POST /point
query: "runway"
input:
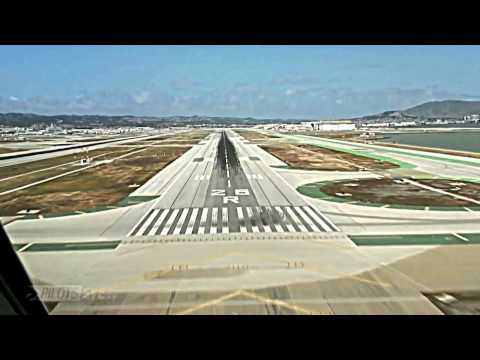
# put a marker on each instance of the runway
(48, 153)
(225, 187)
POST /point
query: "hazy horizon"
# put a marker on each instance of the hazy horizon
(289, 82)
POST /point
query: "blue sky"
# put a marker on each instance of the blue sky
(258, 81)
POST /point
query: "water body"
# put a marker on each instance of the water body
(463, 141)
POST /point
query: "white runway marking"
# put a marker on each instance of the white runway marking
(253, 221)
(296, 220)
(241, 220)
(319, 221)
(225, 220)
(286, 221)
(307, 219)
(203, 221)
(254, 176)
(169, 222)
(213, 225)
(460, 237)
(159, 222)
(262, 219)
(193, 217)
(148, 221)
(272, 211)
(266, 228)
(180, 222)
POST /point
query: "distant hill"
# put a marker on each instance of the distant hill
(446, 108)
(89, 121)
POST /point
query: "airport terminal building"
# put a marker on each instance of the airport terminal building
(329, 125)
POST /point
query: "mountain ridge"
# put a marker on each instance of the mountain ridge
(445, 108)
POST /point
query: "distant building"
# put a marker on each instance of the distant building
(377, 125)
(52, 128)
(404, 124)
(472, 117)
(329, 125)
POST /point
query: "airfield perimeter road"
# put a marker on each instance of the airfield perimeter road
(226, 234)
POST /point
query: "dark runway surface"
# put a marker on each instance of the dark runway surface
(230, 204)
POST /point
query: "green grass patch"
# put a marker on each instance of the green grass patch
(474, 238)
(78, 246)
(17, 247)
(447, 208)
(312, 190)
(420, 239)
(407, 207)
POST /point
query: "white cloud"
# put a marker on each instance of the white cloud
(309, 102)
(142, 97)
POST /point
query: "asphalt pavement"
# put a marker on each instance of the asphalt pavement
(225, 187)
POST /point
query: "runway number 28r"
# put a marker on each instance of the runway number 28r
(233, 199)
(238, 192)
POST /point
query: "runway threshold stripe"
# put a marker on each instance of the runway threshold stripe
(146, 221)
(170, 220)
(252, 220)
(186, 221)
(256, 219)
(140, 223)
(191, 222)
(297, 221)
(283, 216)
(213, 223)
(159, 222)
(225, 220)
(180, 222)
(325, 220)
(263, 218)
(319, 221)
(307, 219)
(203, 221)
(157, 212)
(241, 220)
(276, 219)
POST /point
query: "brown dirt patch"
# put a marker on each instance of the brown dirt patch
(331, 134)
(99, 186)
(386, 191)
(463, 188)
(310, 157)
(255, 136)
(13, 170)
